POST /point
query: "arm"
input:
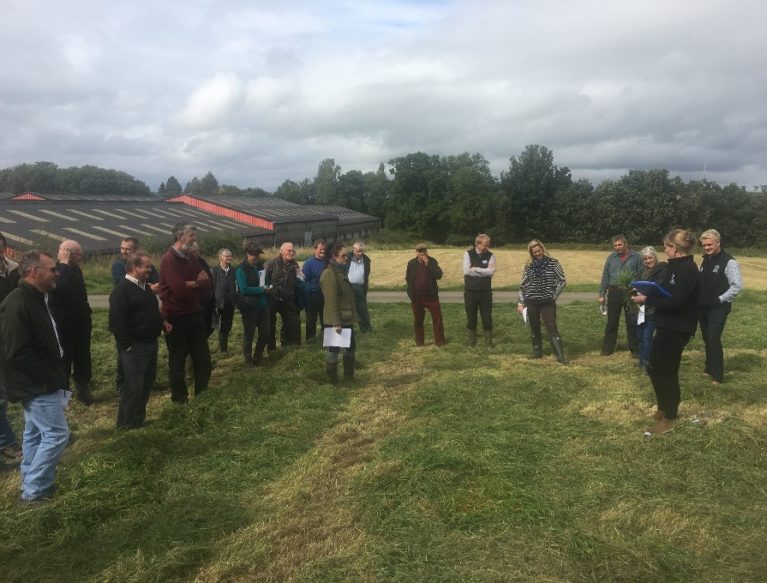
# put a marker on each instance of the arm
(523, 283)
(118, 271)
(735, 279)
(605, 280)
(680, 292)
(561, 281)
(478, 271)
(436, 270)
(118, 319)
(329, 292)
(21, 345)
(245, 289)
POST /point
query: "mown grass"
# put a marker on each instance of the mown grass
(442, 465)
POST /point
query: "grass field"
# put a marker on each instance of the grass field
(444, 464)
(583, 268)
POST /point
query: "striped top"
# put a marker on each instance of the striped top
(541, 280)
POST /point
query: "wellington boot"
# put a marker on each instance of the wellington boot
(349, 366)
(537, 347)
(472, 337)
(223, 343)
(332, 370)
(489, 338)
(248, 360)
(659, 415)
(556, 345)
(84, 394)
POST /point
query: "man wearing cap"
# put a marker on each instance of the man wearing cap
(183, 282)
(421, 277)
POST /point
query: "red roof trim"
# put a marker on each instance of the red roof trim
(28, 196)
(222, 211)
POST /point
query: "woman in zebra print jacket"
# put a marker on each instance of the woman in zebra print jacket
(542, 281)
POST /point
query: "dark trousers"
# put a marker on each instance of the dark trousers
(139, 365)
(315, 303)
(419, 305)
(225, 318)
(712, 322)
(332, 352)
(255, 319)
(665, 358)
(482, 300)
(616, 303)
(290, 333)
(361, 303)
(189, 337)
(77, 354)
(542, 310)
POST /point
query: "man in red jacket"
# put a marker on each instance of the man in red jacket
(182, 282)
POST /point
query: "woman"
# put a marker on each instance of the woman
(339, 311)
(653, 271)
(675, 321)
(542, 281)
(251, 302)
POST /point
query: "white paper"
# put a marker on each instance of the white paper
(524, 316)
(262, 278)
(640, 315)
(332, 339)
(64, 397)
(603, 309)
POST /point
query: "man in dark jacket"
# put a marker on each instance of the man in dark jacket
(135, 321)
(312, 269)
(9, 281)
(359, 277)
(478, 270)
(281, 275)
(720, 283)
(72, 312)
(421, 277)
(225, 291)
(35, 374)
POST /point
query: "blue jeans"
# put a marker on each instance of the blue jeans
(7, 436)
(46, 434)
(645, 333)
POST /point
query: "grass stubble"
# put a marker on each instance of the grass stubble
(443, 465)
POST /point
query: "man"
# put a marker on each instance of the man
(128, 247)
(225, 290)
(253, 306)
(135, 322)
(720, 283)
(281, 275)
(9, 281)
(72, 312)
(35, 373)
(359, 277)
(621, 267)
(421, 277)
(312, 269)
(478, 270)
(183, 282)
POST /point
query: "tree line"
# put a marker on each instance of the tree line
(449, 199)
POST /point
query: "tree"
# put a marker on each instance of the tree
(193, 186)
(471, 197)
(300, 193)
(208, 184)
(529, 191)
(172, 186)
(326, 182)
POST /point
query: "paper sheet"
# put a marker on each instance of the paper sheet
(331, 338)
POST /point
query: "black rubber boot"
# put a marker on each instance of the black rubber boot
(349, 365)
(223, 343)
(537, 347)
(84, 394)
(332, 370)
(556, 344)
(489, 338)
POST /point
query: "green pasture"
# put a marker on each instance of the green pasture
(441, 464)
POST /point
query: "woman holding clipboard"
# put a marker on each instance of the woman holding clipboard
(339, 314)
(675, 321)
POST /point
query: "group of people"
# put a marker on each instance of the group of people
(45, 320)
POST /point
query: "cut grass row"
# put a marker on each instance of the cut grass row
(444, 464)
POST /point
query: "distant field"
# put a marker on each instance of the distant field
(582, 268)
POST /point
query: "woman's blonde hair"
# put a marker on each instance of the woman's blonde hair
(536, 243)
(682, 239)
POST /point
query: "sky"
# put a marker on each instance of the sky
(260, 92)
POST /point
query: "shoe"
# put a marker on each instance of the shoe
(41, 499)
(661, 427)
(472, 338)
(659, 415)
(84, 394)
(12, 452)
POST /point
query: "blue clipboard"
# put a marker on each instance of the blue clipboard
(650, 289)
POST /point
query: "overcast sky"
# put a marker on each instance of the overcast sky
(258, 92)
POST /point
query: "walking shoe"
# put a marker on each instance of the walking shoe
(661, 427)
(659, 415)
(12, 452)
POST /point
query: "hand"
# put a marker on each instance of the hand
(63, 256)
(155, 287)
(338, 329)
(167, 327)
(639, 299)
(520, 308)
(424, 259)
(202, 276)
(601, 299)
(193, 284)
